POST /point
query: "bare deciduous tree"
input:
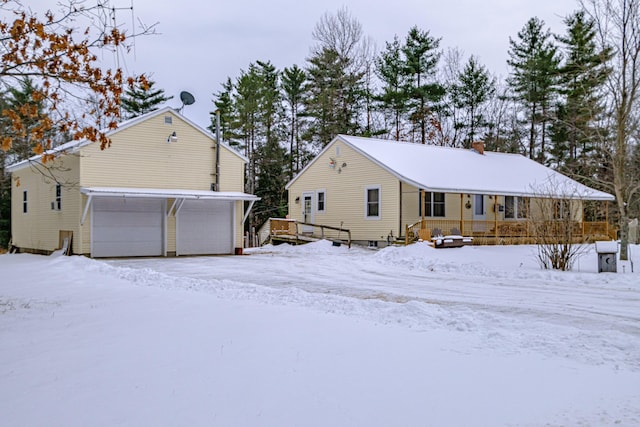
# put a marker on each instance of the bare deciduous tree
(618, 25)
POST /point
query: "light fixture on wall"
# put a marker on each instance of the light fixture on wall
(297, 200)
(173, 137)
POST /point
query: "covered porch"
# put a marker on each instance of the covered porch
(504, 219)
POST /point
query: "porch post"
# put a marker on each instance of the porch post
(606, 215)
(422, 208)
(495, 215)
(461, 214)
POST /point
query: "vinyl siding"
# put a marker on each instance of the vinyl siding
(139, 156)
(345, 193)
(39, 228)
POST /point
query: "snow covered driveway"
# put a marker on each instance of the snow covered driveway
(319, 335)
(470, 288)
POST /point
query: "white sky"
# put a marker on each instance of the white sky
(201, 43)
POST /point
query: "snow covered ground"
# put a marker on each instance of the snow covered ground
(320, 335)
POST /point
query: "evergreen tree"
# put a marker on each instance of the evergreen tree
(474, 87)
(534, 62)
(390, 68)
(34, 120)
(335, 78)
(421, 60)
(223, 101)
(333, 97)
(142, 98)
(32, 115)
(293, 81)
(582, 77)
(247, 105)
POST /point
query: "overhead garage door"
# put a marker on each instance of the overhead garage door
(205, 227)
(127, 227)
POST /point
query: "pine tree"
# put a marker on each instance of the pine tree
(333, 97)
(582, 77)
(474, 87)
(421, 60)
(293, 81)
(142, 98)
(223, 101)
(534, 62)
(393, 99)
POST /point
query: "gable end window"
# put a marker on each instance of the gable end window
(433, 204)
(321, 201)
(24, 202)
(372, 201)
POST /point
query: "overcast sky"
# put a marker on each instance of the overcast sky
(202, 42)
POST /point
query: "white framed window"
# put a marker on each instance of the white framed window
(58, 202)
(372, 198)
(168, 120)
(321, 201)
(25, 200)
(433, 204)
(516, 207)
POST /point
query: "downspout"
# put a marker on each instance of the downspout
(217, 187)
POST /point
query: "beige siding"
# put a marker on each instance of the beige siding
(140, 156)
(39, 228)
(345, 193)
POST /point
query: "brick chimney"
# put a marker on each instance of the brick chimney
(478, 146)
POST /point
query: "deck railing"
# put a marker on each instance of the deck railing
(292, 227)
(509, 232)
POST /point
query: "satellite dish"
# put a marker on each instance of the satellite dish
(186, 98)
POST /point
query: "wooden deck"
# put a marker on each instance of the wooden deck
(297, 232)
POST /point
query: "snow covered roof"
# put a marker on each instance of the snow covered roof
(74, 146)
(167, 193)
(455, 170)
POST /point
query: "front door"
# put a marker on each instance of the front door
(307, 212)
(479, 213)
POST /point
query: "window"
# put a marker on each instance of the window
(58, 202)
(516, 207)
(24, 201)
(372, 198)
(433, 204)
(168, 120)
(320, 206)
(561, 209)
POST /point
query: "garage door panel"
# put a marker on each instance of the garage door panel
(127, 227)
(205, 227)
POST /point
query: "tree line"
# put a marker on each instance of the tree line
(569, 101)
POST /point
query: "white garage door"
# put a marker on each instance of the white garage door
(127, 227)
(205, 227)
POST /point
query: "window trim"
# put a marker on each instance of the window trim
(58, 202)
(431, 203)
(324, 200)
(366, 202)
(518, 202)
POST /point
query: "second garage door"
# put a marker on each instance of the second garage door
(205, 227)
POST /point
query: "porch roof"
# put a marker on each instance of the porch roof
(168, 193)
(455, 170)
